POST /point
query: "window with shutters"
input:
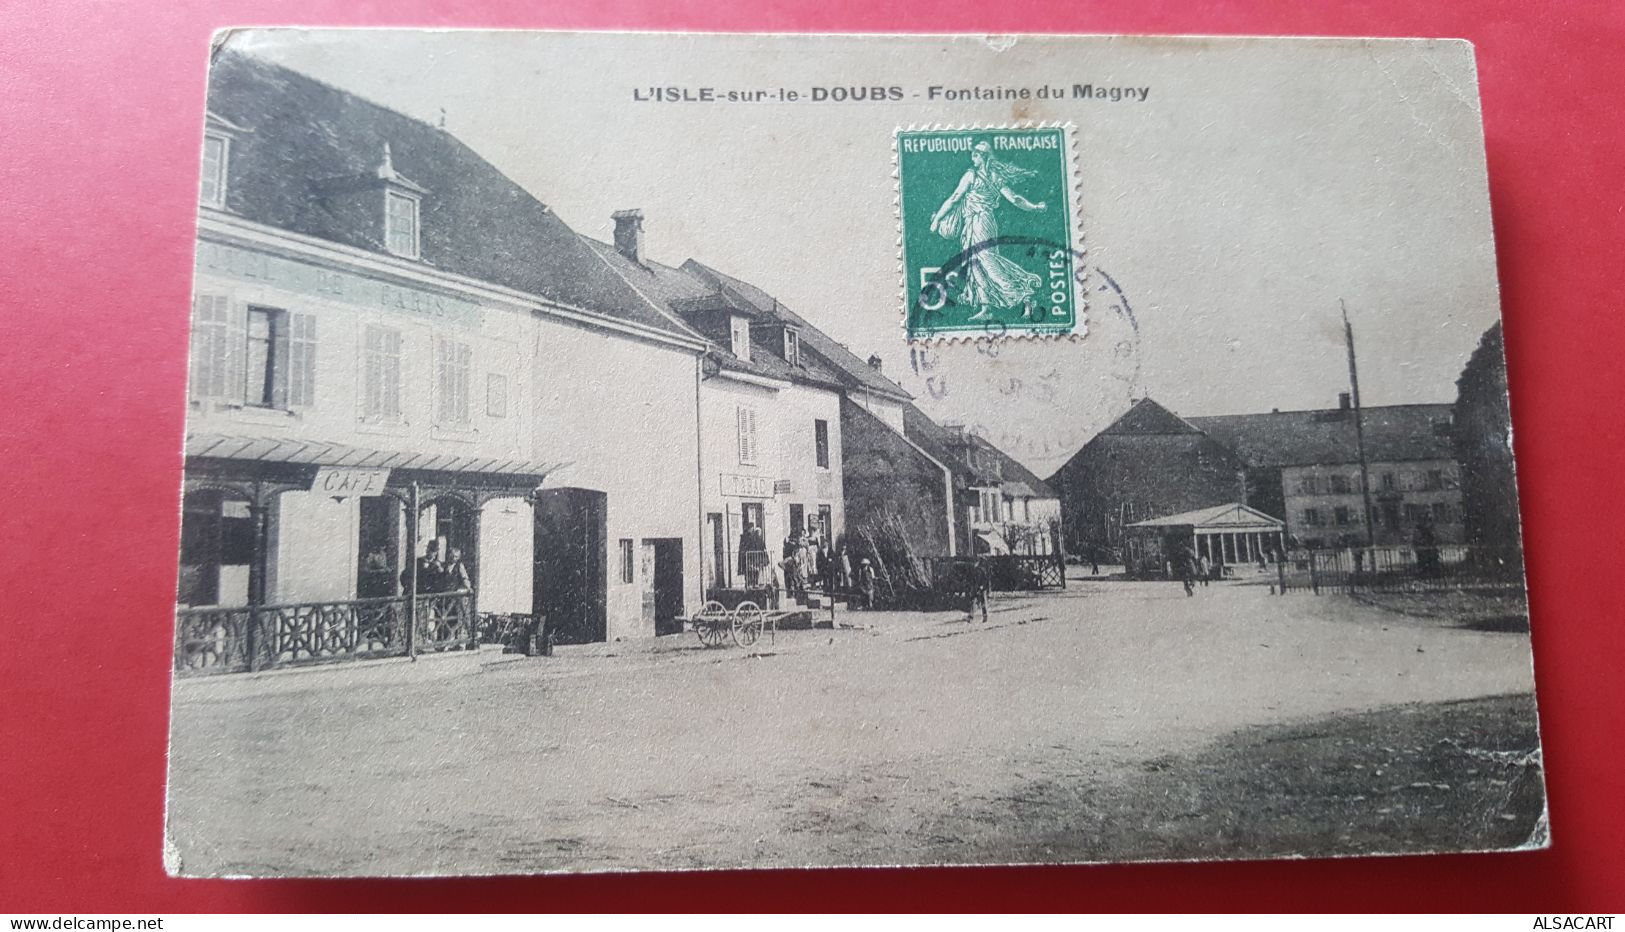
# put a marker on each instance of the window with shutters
(301, 354)
(381, 375)
(452, 361)
(261, 357)
(747, 436)
(216, 349)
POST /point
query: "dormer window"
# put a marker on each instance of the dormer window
(739, 337)
(792, 346)
(218, 134)
(401, 223)
(216, 156)
(402, 202)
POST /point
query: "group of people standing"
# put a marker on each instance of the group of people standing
(437, 573)
(810, 561)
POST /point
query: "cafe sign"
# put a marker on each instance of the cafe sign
(345, 481)
(738, 486)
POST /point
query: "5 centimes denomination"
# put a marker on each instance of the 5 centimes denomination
(989, 231)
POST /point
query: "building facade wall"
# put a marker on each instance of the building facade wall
(519, 374)
(731, 487)
(1325, 508)
(638, 445)
(811, 486)
(314, 538)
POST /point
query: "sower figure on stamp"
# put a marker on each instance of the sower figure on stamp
(969, 215)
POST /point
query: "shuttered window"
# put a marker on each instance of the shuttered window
(747, 436)
(381, 374)
(452, 361)
(259, 356)
(217, 346)
(301, 356)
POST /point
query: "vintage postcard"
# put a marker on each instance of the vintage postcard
(614, 452)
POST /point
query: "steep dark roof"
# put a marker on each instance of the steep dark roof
(680, 291)
(1014, 474)
(307, 163)
(1148, 417)
(995, 467)
(853, 372)
(1298, 438)
(940, 442)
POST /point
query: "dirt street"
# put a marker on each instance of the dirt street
(907, 740)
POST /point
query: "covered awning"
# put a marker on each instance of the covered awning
(287, 458)
(1231, 518)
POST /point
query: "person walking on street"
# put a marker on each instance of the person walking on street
(866, 582)
(1182, 565)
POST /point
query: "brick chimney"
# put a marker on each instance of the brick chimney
(874, 363)
(629, 233)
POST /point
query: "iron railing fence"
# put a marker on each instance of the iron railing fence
(241, 639)
(1437, 567)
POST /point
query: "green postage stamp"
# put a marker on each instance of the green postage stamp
(989, 236)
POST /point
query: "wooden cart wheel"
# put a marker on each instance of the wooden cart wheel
(748, 622)
(711, 624)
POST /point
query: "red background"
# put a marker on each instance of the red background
(100, 113)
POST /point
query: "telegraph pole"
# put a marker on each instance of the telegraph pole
(1359, 430)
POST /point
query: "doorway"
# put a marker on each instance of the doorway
(570, 563)
(717, 539)
(662, 578)
(378, 556)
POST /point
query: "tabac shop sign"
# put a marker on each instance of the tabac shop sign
(746, 486)
(345, 481)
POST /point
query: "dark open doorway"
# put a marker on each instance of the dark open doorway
(663, 584)
(570, 563)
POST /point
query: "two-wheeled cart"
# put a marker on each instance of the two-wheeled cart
(715, 623)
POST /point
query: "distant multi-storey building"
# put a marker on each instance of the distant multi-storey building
(1303, 467)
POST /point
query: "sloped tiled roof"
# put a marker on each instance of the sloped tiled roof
(939, 441)
(1393, 433)
(853, 371)
(1149, 417)
(679, 290)
(1015, 475)
(307, 162)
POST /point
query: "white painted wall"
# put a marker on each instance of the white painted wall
(622, 414)
(811, 486)
(720, 399)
